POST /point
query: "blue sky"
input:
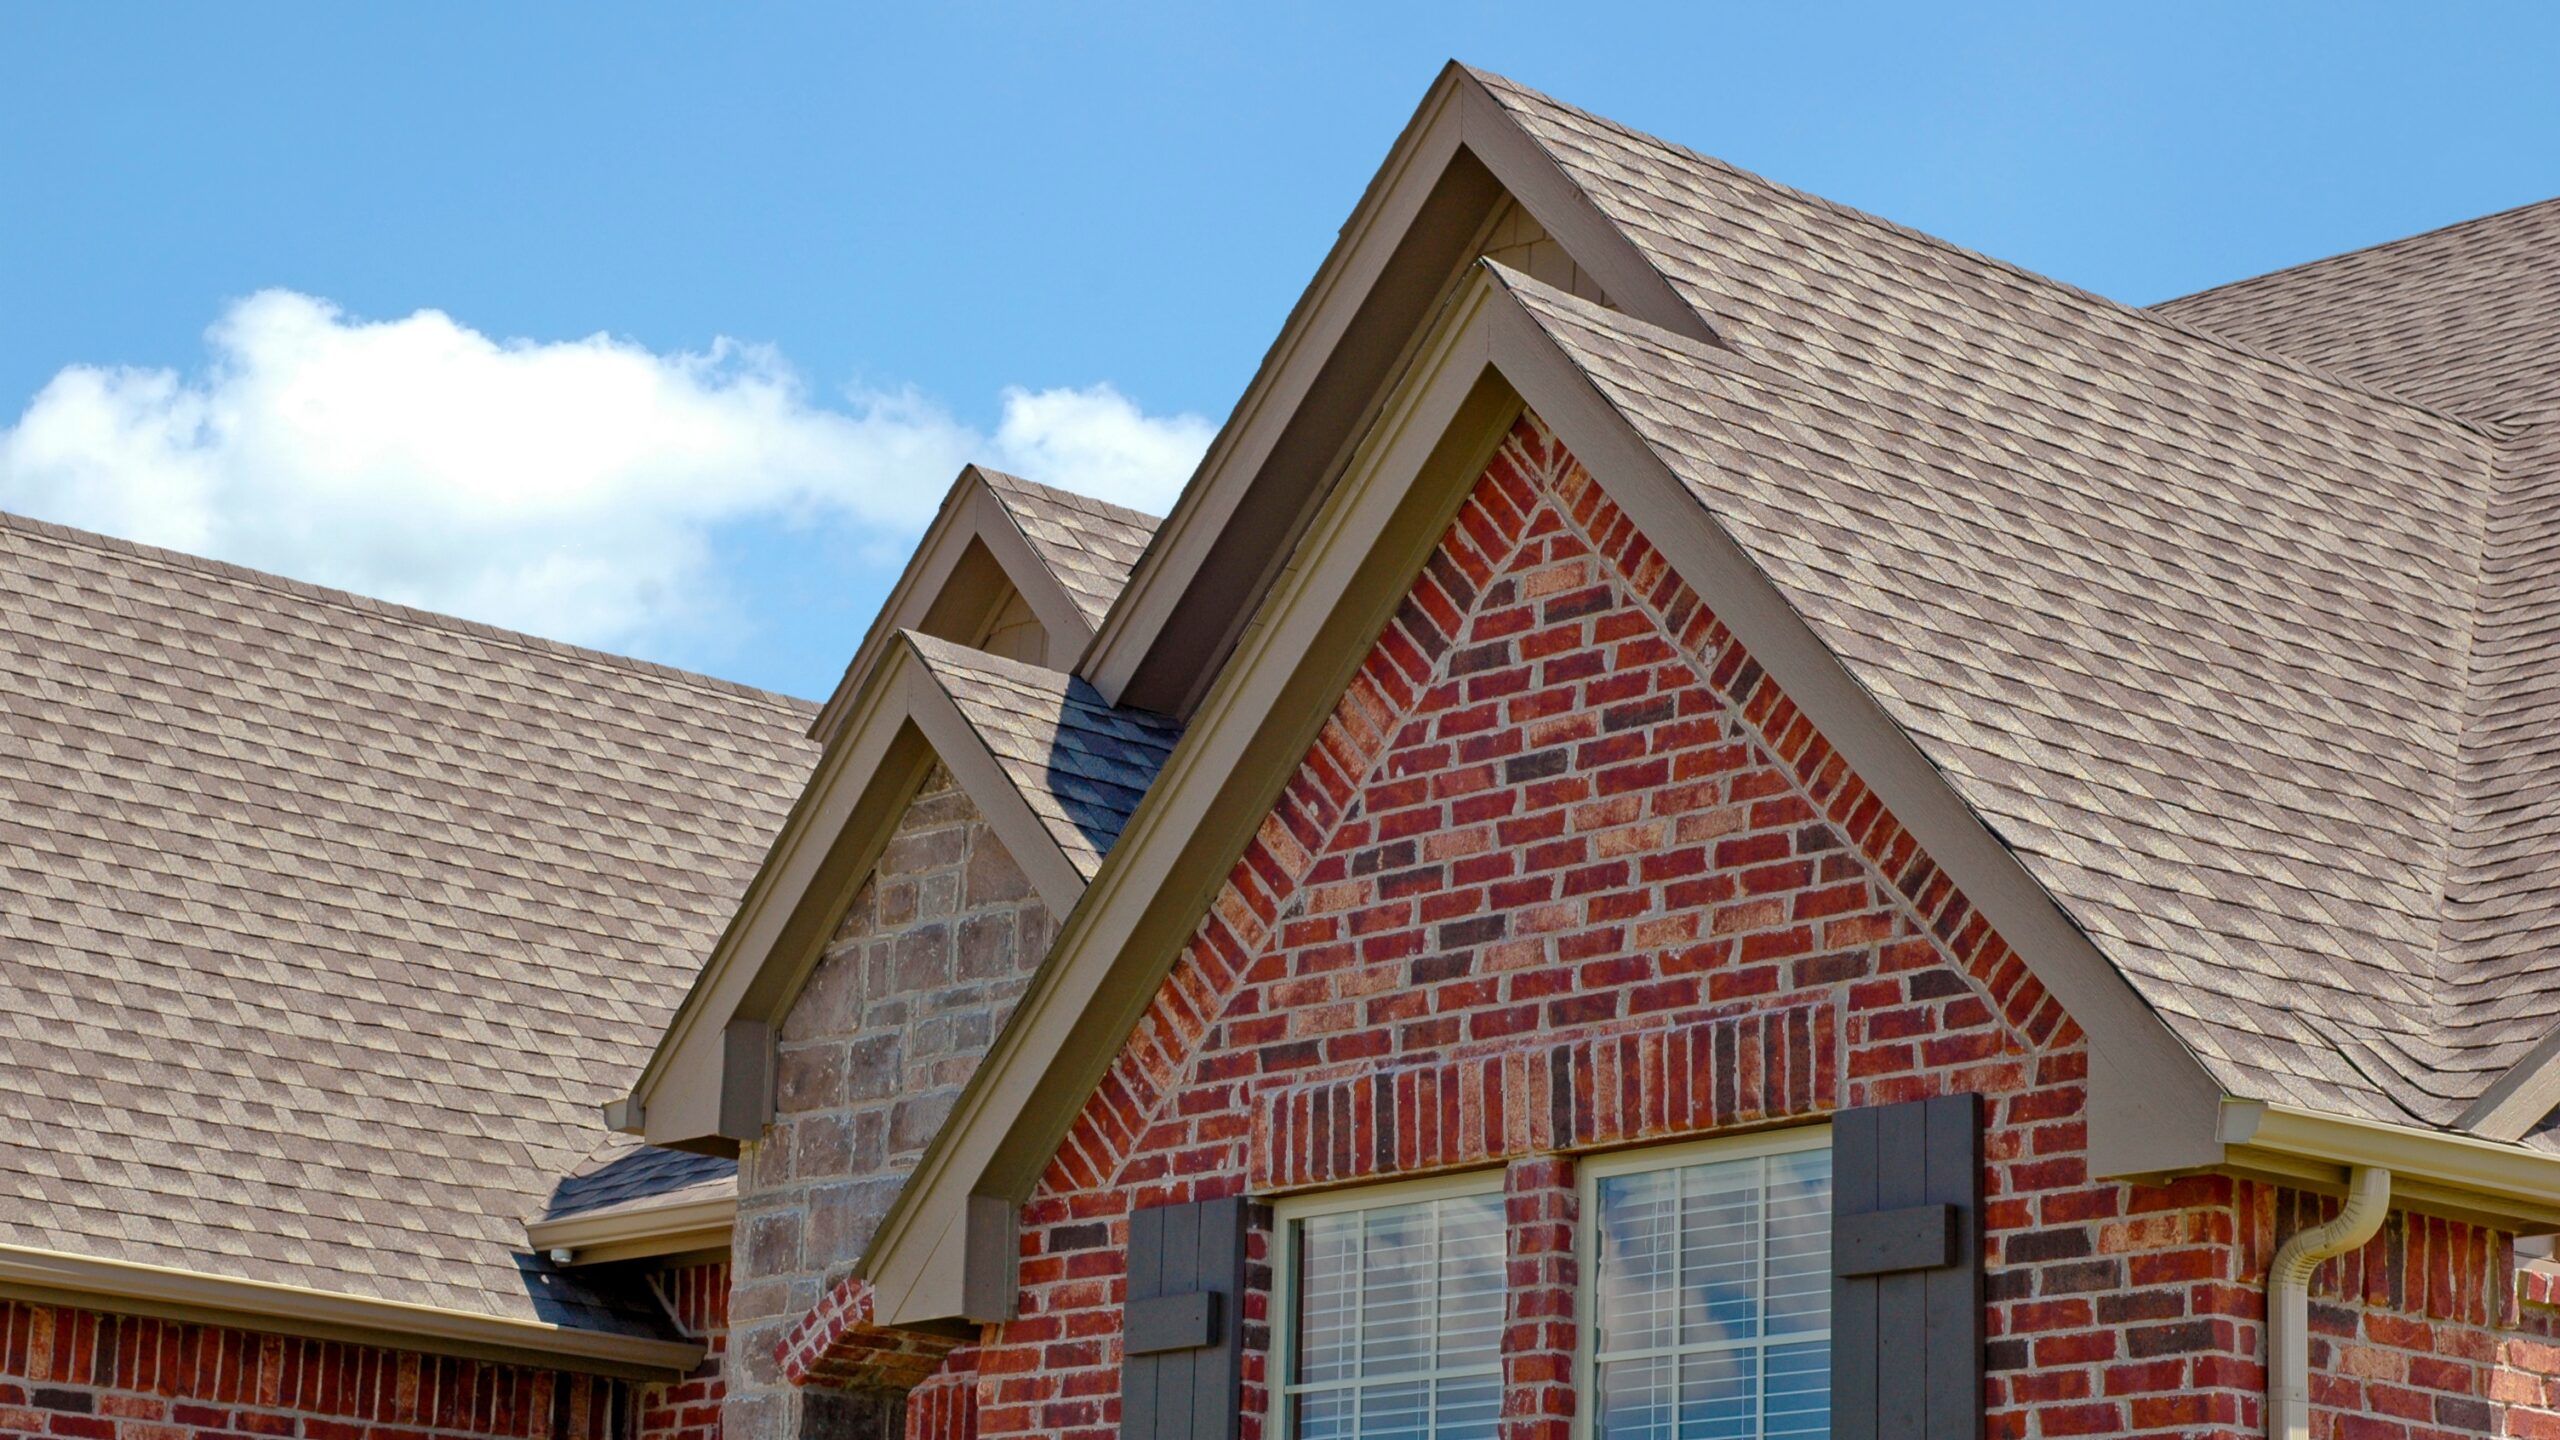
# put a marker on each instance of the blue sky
(716, 296)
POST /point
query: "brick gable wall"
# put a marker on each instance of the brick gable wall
(77, 1374)
(1566, 869)
(923, 969)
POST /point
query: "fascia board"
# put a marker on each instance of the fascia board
(57, 1277)
(1080, 1004)
(2506, 1183)
(2520, 1097)
(2154, 1106)
(970, 511)
(2152, 1103)
(680, 1092)
(936, 555)
(625, 1232)
(1008, 812)
(1000, 531)
(1457, 115)
(677, 1095)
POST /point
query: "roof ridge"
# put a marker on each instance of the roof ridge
(1060, 492)
(2378, 247)
(2283, 363)
(181, 560)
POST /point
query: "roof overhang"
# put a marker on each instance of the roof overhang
(684, 1223)
(2492, 1182)
(1325, 381)
(952, 584)
(2153, 1106)
(53, 1277)
(709, 1085)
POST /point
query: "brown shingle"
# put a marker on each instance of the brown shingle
(325, 925)
(1082, 764)
(1091, 545)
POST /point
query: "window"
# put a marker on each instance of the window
(1707, 1290)
(1392, 1303)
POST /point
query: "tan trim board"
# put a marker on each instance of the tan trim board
(962, 752)
(2490, 1180)
(708, 1086)
(2154, 1108)
(1343, 350)
(2520, 1097)
(56, 1277)
(639, 1230)
(2152, 1102)
(1214, 790)
(949, 589)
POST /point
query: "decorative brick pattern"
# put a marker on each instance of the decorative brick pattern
(77, 1374)
(1559, 810)
(839, 1346)
(929, 959)
(1570, 1094)
(945, 1407)
(1542, 1208)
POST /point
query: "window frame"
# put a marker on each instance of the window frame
(1785, 1140)
(1288, 1210)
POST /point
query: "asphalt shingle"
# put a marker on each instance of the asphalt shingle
(325, 925)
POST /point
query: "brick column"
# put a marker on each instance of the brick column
(1543, 1214)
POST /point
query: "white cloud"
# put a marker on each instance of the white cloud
(571, 488)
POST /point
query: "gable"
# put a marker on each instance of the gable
(1565, 869)
(1462, 181)
(926, 708)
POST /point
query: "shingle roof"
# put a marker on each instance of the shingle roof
(2467, 318)
(2460, 318)
(325, 925)
(624, 1173)
(1082, 764)
(2199, 629)
(1091, 545)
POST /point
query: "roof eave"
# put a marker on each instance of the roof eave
(671, 1225)
(59, 1277)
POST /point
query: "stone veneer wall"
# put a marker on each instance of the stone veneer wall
(923, 970)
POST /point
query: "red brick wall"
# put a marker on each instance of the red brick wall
(92, 1375)
(1566, 870)
(697, 1298)
(88, 1375)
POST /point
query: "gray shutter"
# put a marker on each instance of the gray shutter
(1182, 1332)
(1906, 1271)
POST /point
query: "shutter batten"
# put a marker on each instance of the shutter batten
(1906, 1286)
(1181, 1330)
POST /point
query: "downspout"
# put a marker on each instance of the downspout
(2289, 1297)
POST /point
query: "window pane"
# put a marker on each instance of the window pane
(1328, 1298)
(1471, 1282)
(1799, 1242)
(1720, 1395)
(1399, 1322)
(1637, 1298)
(1713, 1300)
(1799, 1390)
(1720, 1251)
(1636, 1399)
(1396, 1280)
